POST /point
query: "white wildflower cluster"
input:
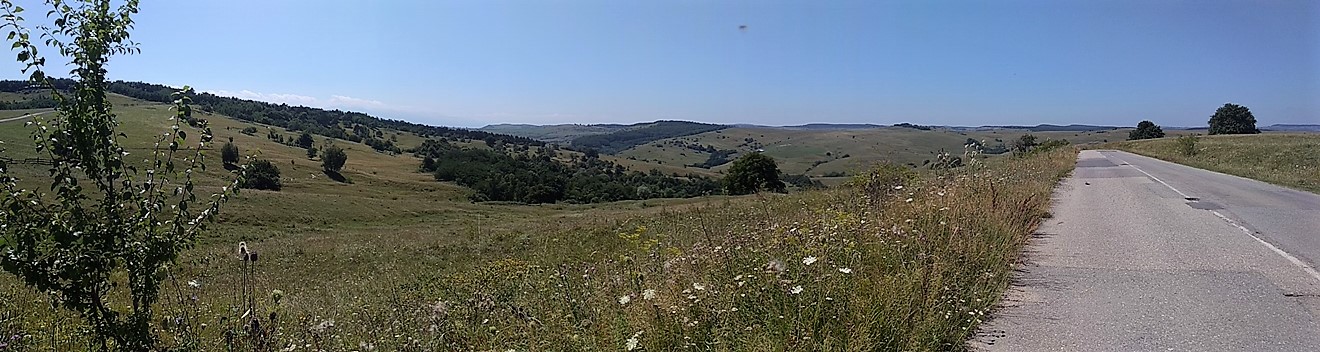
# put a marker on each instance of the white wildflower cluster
(633, 342)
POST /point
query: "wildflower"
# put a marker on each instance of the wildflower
(625, 299)
(194, 284)
(845, 270)
(796, 289)
(698, 286)
(633, 341)
(808, 260)
(909, 200)
(648, 294)
(898, 187)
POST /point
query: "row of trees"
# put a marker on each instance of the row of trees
(537, 177)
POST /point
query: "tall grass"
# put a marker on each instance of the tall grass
(907, 264)
(1291, 160)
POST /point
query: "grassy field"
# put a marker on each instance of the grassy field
(396, 261)
(1287, 159)
(820, 152)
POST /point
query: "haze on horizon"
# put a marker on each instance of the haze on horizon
(472, 63)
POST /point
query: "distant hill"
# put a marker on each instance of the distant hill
(832, 126)
(639, 134)
(563, 133)
(1292, 127)
(1054, 128)
(353, 126)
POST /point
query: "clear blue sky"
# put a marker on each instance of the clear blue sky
(470, 63)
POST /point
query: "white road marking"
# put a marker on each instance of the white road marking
(1298, 262)
(1157, 179)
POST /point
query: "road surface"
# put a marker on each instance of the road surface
(1146, 255)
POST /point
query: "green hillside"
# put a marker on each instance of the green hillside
(639, 134)
(563, 134)
(818, 152)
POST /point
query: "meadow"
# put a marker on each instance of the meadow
(1286, 159)
(397, 261)
(822, 153)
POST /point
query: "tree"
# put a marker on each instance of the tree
(333, 158)
(1233, 119)
(1146, 130)
(229, 152)
(99, 243)
(753, 173)
(305, 140)
(262, 174)
(1024, 143)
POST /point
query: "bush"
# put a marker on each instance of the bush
(229, 153)
(1024, 143)
(1187, 145)
(251, 131)
(261, 174)
(333, 159)
(883, 180)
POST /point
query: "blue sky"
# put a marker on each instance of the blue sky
(470, 63)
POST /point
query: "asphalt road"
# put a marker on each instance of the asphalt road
(1146, 255)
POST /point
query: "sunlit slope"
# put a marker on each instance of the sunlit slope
(830, 152)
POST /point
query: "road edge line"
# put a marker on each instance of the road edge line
(1298, 262)
(1292, 259)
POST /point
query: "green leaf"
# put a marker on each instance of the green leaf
(23, 55)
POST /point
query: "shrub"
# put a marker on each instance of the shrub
(251, 131)
(1187, 145)
(883, 180)
(99, 244)
(262, 174)
(1024, 143)
(229, 152)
